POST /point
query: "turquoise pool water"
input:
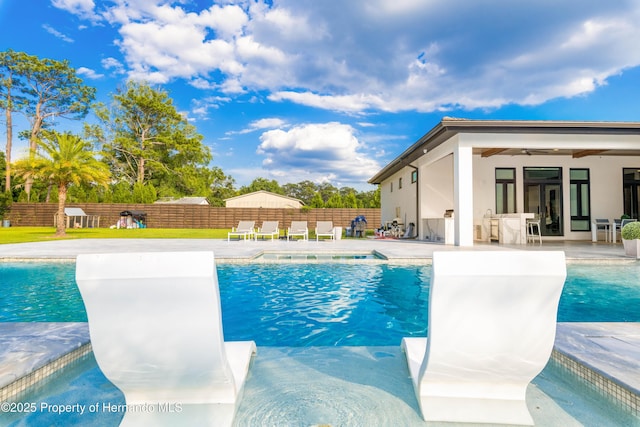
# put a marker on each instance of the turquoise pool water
(319, 304)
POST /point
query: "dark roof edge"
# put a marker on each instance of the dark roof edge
(449, 126)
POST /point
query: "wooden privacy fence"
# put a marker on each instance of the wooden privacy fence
(191, 216)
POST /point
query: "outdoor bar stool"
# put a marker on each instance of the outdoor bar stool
(533, 230)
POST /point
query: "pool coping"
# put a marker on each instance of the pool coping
(32, 351)
(604, 355)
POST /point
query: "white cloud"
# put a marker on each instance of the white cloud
(201, 107)
(89, 73)
(326, 152)
(82, 8)
(49, 29)
(375, 55)
(113, 65)
(261, 124)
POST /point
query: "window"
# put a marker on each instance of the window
(414, 177)
(391, 185)
(399, 183)
(580, 205)
(631, 191)
(505, 190)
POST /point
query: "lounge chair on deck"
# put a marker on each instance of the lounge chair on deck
(268, 229)
(325, 229)
(491, 329)
(156, 330)
(245, 229)
(298, 228)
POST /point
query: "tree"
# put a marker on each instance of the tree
(326, 191)
(350, 201)
(221, 187)
(145, 139)
(263, 184)
(11, 64)
(64, 160)
(304, 190)
(335, 201)
(51, 89)
(316, 201)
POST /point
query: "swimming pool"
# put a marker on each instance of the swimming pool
(318, 304)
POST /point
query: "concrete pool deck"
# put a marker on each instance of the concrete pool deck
(394, 250)
(603, 357)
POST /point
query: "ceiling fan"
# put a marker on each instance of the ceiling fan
(529, 151)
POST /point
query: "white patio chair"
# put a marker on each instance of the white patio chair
(156, 330)
(268, 229)
(325, 229)
(600, 224)
(245, 229)
(298, 228)
(491, 329)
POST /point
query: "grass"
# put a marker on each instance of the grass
(44, 234)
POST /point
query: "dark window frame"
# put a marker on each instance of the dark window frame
(504, 183)
(579, 202)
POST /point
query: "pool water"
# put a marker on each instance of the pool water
(319, 304)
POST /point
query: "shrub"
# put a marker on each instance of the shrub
(631, 231)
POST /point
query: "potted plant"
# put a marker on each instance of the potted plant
(5, 204)
(631, 239)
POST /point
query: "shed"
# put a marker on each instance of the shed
(77, 218)
(263, 199)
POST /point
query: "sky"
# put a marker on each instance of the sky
(332, 90)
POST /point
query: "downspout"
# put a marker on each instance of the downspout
(417, 199)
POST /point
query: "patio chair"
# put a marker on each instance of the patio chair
(245, 229)
(298, 228)
(600, 224)
(156, 330)
(491, 329)
(618, 226)
(268, 229)
(325, 229)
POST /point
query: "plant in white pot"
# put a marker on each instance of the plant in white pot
(631, 239)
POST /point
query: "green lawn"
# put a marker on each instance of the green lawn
(42, 234)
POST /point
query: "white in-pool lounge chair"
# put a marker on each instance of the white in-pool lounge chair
(268, 229)
(325, 229)
(156, 331)
(491, 329)
(298, 228)
(245, 229)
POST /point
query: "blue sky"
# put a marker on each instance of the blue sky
(332, 90)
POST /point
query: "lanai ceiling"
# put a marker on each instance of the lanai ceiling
(576, 154)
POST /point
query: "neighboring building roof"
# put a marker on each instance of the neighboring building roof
(449, 127)
(267, 193)
(186, 201)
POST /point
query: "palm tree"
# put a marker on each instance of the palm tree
(62, 160)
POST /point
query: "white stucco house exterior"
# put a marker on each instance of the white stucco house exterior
(494, 175)
(263, 199)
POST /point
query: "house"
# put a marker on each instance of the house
(185, 201)
(481, 180)
(263, 199)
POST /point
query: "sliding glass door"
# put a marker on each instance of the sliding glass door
(543, 197)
